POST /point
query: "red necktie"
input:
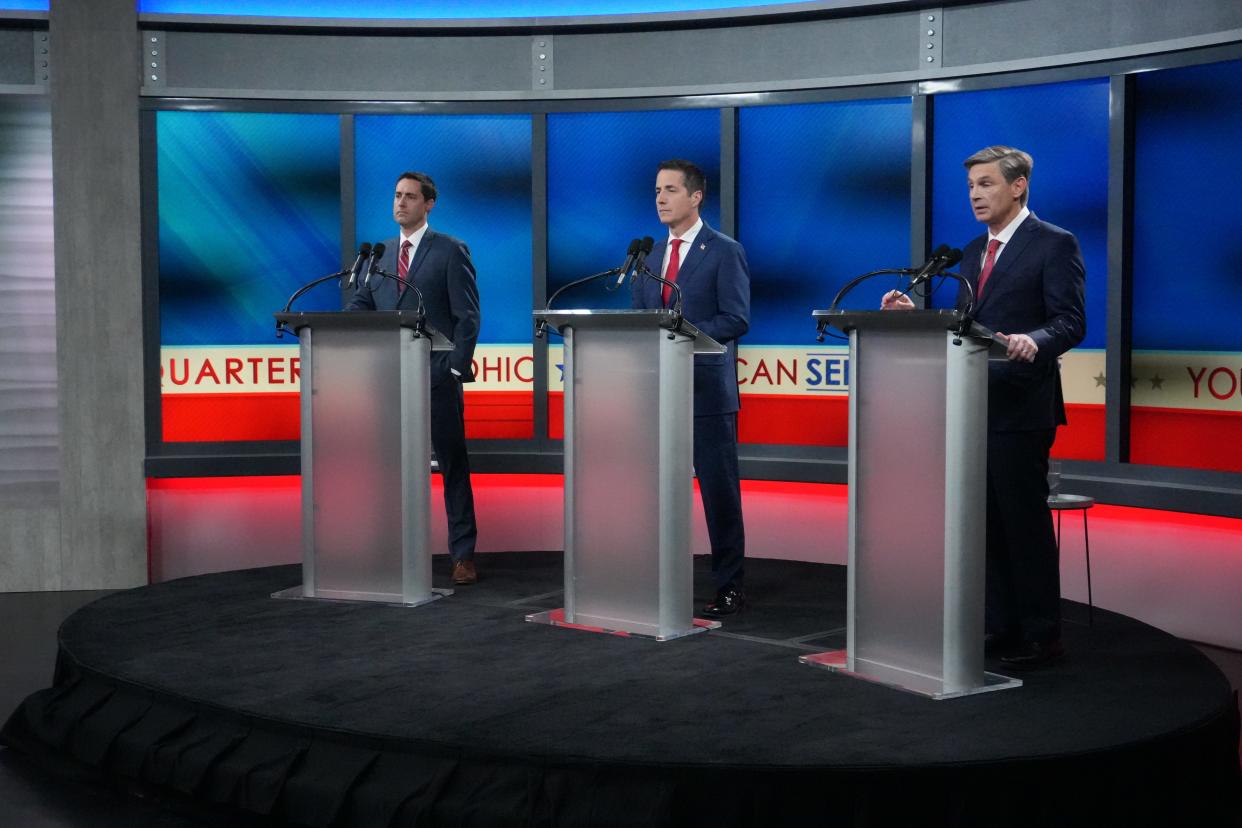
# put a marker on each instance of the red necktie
(988, 263)
(674, 264)
(403, 268)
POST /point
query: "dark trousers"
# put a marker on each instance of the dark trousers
(715, 464)
(1023, 568)
(448, 437)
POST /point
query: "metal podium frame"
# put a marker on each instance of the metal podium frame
(366, 445)
(629, 384)
(917, 496)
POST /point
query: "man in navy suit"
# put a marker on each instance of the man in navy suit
(711, 270)
(439, 266)
(1028, 277)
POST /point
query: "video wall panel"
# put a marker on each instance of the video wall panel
(249, 210)
(1186, 394)
(824, 196)
(601, 194)
(1064, 127)
(482, 168)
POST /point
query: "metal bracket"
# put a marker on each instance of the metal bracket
(42, 58)
(931, 40)
(152, 59)
(541, 63)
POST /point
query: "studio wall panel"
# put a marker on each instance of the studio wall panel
(998, 32)
(17, 56)
(824, 196)
(403, 66)
(249, 210)
(29, 432)
(1186, 402)
(482, 168)
(1064, 126)
(601, 194)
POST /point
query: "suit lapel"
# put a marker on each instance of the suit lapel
(1010, 253)
(691, 258)
(420, 254)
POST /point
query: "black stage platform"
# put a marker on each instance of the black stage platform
(460, 713)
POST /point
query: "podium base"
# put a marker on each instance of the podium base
(615, 626)
(901, 679)
(389, 599)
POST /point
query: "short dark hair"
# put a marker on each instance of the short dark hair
(424, 181)
(696, 182)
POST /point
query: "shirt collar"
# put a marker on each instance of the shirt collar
(1012, 227)
(414, 238)
(690, 235)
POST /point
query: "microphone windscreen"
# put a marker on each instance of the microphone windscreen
(954, 256)
(365, 249)
(647, 244)
(378, 250)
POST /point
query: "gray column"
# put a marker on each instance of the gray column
(95, 187)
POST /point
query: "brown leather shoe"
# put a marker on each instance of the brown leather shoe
(464, 573)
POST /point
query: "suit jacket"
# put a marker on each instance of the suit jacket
(442, 270)
(715, 283)
(1036, 288)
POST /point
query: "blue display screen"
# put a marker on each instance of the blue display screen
(1064, 127)
(249, 210)
(823, 196)
(1186, 211)
(434, 10)
(482, 168)
(601, 189)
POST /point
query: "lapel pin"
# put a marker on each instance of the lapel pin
(702, 245)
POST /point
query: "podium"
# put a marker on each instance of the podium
(917, 501)
(366, 469)
(629, 384)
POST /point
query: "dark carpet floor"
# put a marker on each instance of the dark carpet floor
(467, 678)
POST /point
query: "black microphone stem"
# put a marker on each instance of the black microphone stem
(280, 327)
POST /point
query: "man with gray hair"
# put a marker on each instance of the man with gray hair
(1028, 279)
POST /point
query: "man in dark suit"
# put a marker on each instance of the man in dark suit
(711, 270)
(439, 266)
(1029, 278)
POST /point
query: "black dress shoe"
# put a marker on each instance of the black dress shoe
(730, 600)
(1034, 654)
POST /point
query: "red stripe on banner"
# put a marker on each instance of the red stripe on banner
(1187, 438)
(556, 415)
(212, 418)
(781, 419)
(500, 415)
(1083, 437)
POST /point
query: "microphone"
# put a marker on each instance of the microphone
(631, 255)
(636, 257)
(376, 253)
(356, 267)
(942, 258)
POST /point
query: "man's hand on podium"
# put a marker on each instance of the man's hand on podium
(1018, 347)
(896, 300)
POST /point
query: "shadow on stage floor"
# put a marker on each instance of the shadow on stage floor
(459, 712)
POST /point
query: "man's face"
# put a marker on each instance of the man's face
(678, 208)
(409, 208)
(994, 200)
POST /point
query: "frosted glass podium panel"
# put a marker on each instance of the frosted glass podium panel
(917, 498)
(366, 445)
(629, 407)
